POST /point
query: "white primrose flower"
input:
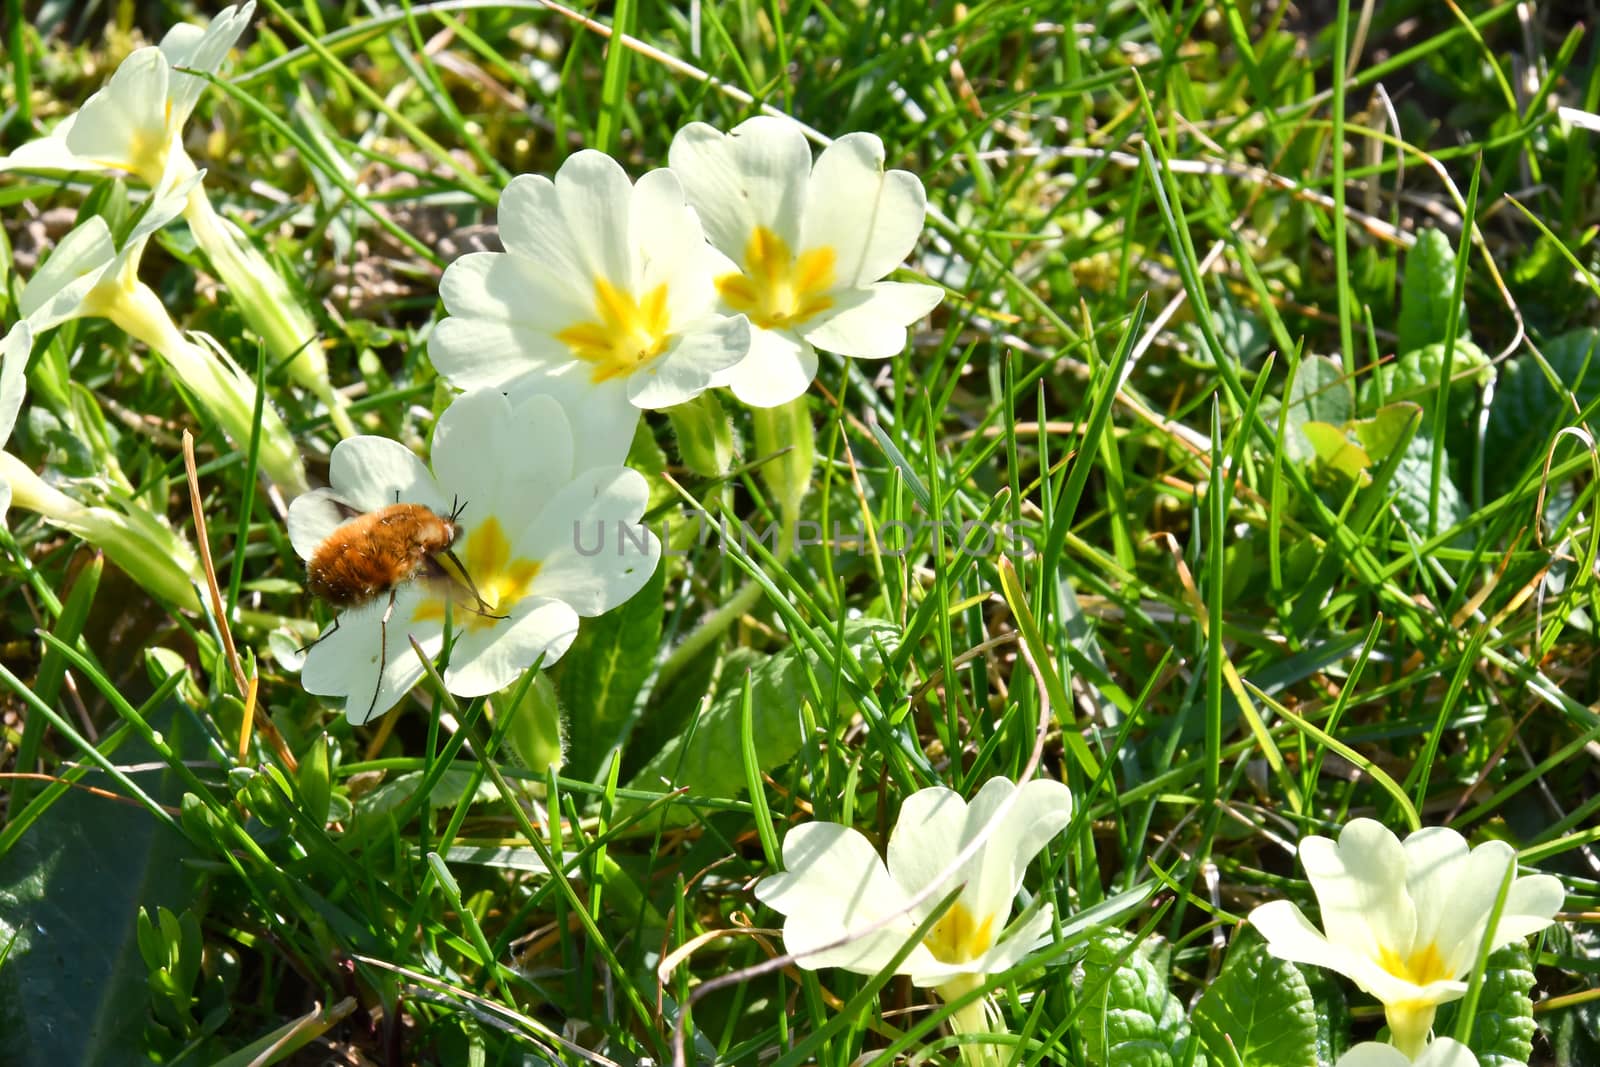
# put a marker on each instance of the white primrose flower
(145, 547)
(88, 276)
(1405, 921)
(1444, 1052)
(834, 887)
(811, 244)
(602, 283)
(134, 126)
(543, 538)
(15, 350)
(135, 123)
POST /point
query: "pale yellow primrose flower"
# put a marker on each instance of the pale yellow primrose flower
(811, 244)
(145, 547)
(134, 125)
(1405, 921)
(1445, 1052)
(88, 276)
(834, 887)
(549, 532)
(605, 286)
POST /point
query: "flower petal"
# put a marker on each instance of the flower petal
(593, 551)
(345, 660)
(532, 227)
(1445, 1052)
(1453, 891)
(1360, 883)
(15, 351)
(834, 883)
(602, 418)
(869, 218)
(1290, 936)
(312, 517)
(1373, 1054)
(501, 287)
(756, 175)
(1531, 906)
(1021, 820)
(47, 153)
(481, 451)
(779, 368)
(594, 193)
(186, 45)
(1019, 943)
(487, 658)
(688, 368)
(927, 838)
(871, 323)
(672, 248)
(374, 472)
(57, 290)
(121, 125)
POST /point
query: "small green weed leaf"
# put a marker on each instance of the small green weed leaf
(708, 762)
(1430, 280)
(1321, 392)
(1261, 1008)
(1502, 1030)
(1410, 485)
(1415, 377)
(1332, 1015)
(1132, 1019)
(1336, 453)
(600, 676)
(1527, 410)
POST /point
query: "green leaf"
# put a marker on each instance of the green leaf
(1410, 485)
(1415, 377)
(1425, 294)
(1261, 1008)
(1336, 453)
(600, 676)
(1332, 1015)
(1132, 1019)
(1350, 450)
(1527, 410)
(75, 987)
(1502, 1030)
(705, 756)
(1320, 392)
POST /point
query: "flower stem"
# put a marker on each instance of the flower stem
(273, 311)
(978, 1017)
(227, 395)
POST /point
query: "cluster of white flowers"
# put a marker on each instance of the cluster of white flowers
(731, 267)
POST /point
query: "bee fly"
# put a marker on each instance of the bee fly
(376, 552)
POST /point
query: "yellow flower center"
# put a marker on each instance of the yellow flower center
(778, 288)
(1418, 968)
(500, 580)
(628, 333)
(958, 936)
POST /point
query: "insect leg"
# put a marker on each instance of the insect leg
(383, 654)
(303, 649)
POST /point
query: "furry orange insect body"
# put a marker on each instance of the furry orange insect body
(376, 551)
